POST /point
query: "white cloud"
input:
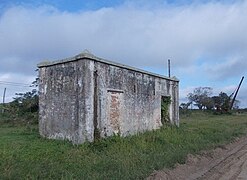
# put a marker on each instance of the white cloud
(139, 36)
(127, 33)
(232, 67)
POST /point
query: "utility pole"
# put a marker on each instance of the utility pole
(4, 93)
(235, 95)
(169, 68)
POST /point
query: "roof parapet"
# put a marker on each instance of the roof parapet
(88, 55)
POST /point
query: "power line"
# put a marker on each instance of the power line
(14, 84)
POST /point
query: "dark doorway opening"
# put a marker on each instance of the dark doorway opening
(165, 104)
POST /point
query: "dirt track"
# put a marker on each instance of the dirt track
(227, 162)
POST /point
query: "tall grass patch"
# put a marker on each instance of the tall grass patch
(25, 155)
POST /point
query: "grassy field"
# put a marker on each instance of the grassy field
(25, 155)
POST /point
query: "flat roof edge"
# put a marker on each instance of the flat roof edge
(95, 58)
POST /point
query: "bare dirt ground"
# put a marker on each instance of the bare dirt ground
(228, 162)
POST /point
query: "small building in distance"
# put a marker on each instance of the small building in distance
(84, 98)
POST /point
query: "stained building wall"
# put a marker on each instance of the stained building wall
(85, 99)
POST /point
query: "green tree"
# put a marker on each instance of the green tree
(208, 102)
(185, 106)
(200, 97)
(27, 102)
(222, 102)
(24, 107)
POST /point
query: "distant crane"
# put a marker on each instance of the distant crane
(236, 93)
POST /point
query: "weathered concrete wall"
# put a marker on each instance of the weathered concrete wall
(133, 97)
(59, 101)
(87, 99)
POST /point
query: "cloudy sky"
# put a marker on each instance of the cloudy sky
(205, 40)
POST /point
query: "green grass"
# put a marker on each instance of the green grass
(25, 155)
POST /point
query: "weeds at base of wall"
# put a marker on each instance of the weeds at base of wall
(96, 134)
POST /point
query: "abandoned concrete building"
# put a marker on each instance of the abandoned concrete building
(85, 97)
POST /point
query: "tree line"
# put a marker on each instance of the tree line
(202, 98)
(24, 107)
